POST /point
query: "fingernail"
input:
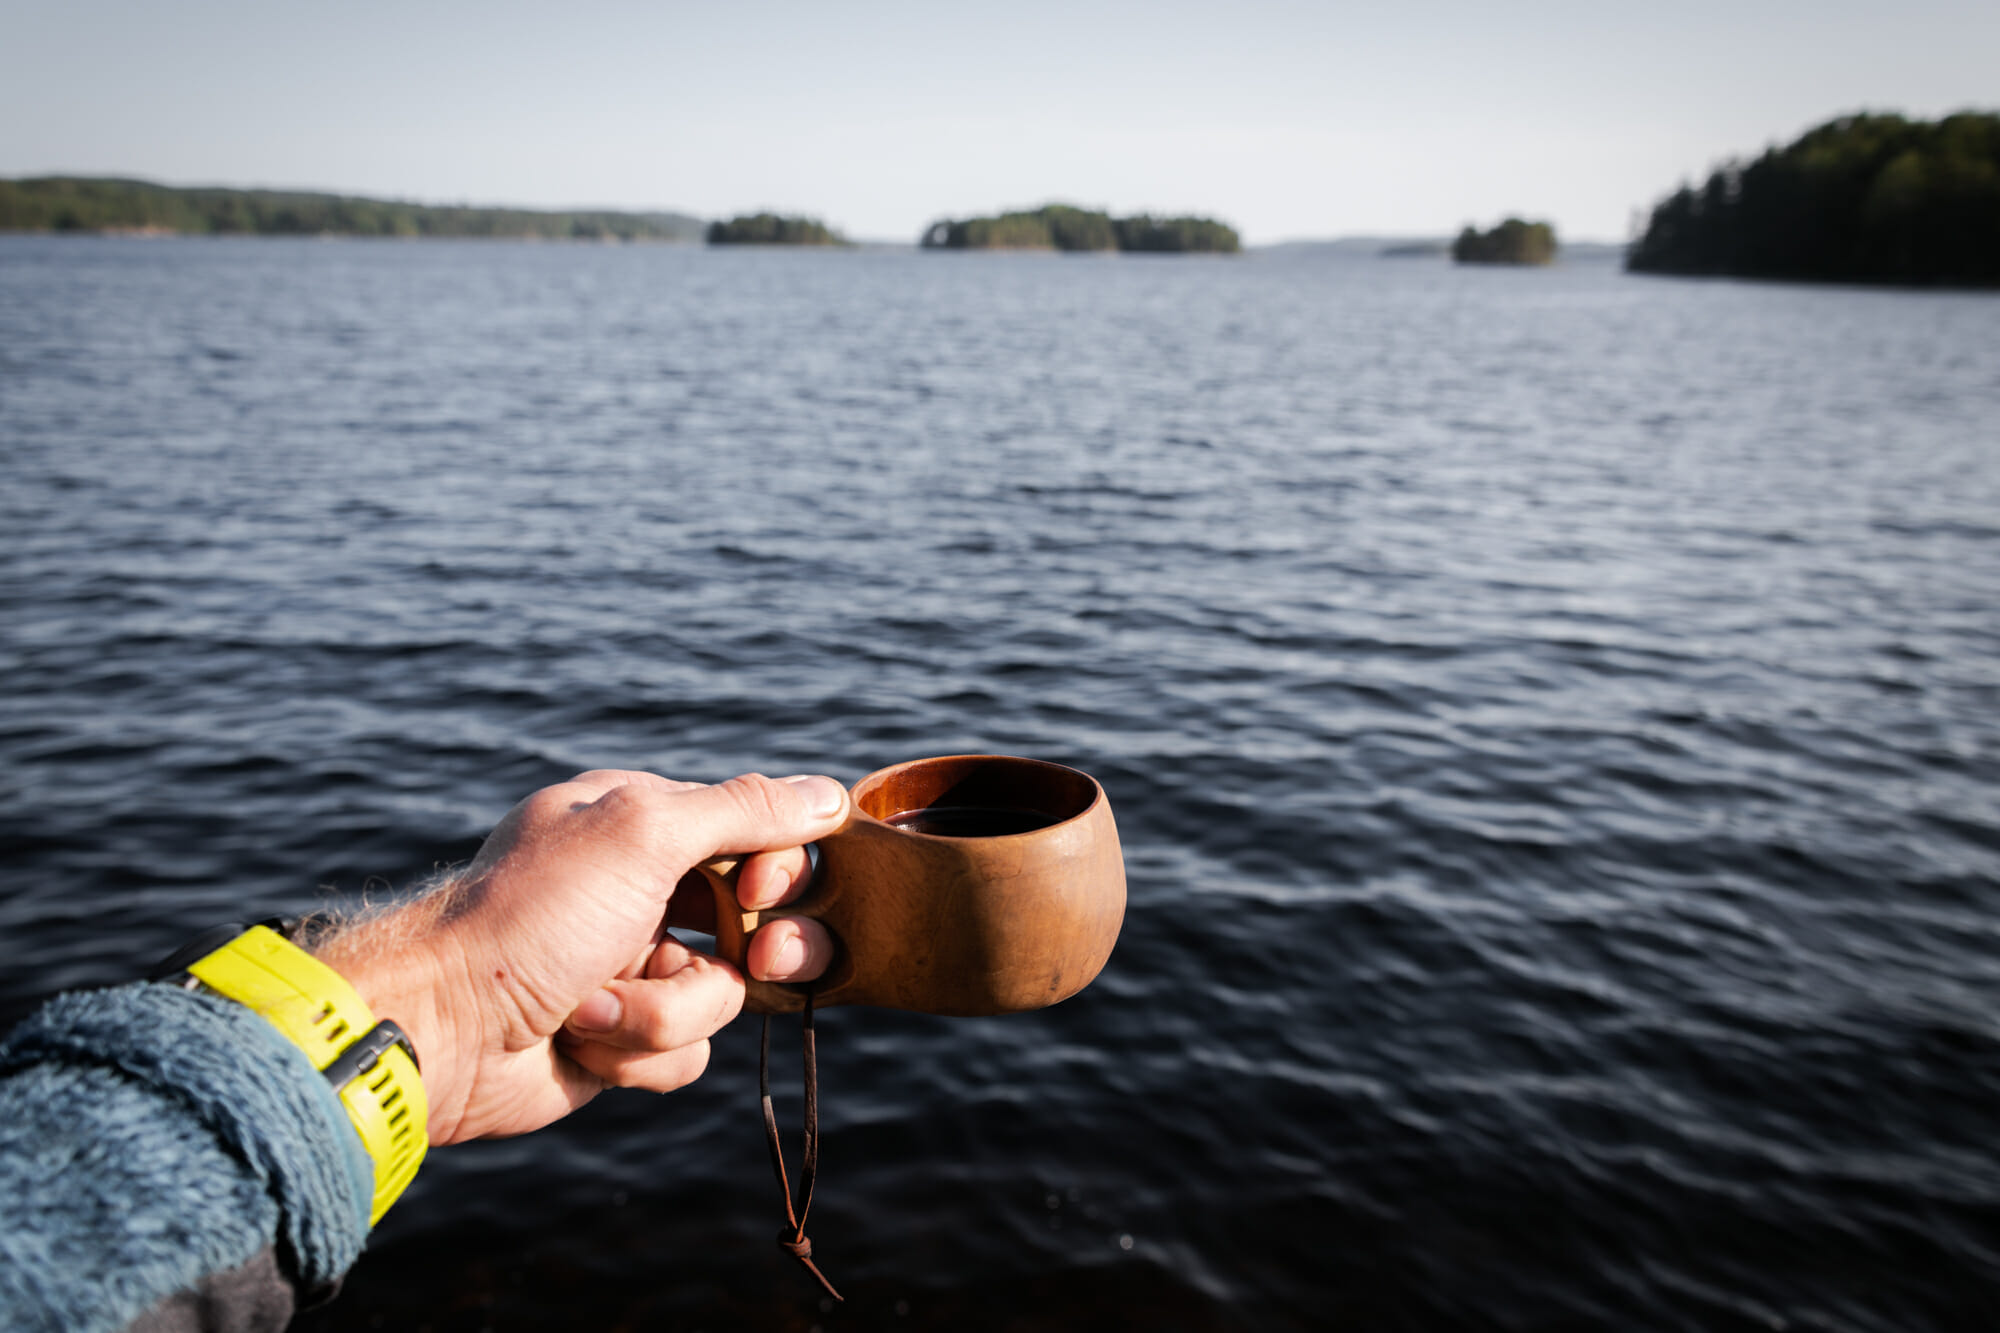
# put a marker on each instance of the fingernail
(599, 1013)
(791, 957)
(823, 796)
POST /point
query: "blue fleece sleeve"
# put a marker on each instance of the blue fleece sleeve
(151, 1138)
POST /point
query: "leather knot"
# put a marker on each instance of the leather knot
(792, 1240)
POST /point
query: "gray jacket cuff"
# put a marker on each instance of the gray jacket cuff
(258, 1094)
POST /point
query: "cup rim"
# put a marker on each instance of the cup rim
(1075, 777)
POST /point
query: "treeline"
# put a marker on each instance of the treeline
(70, 203)
(771, 229)
(1062, 227)
(1863, 198)
(1512, 242)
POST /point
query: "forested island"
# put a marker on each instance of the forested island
(772, 229)
(1062, 227)
(1512, 242)
(74, 203)
(1862, 198)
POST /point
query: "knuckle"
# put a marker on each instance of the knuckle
(763, 800)
(679, 1012)
(666, 1020)
(656, 1028)
(549, 804)
(633, 812)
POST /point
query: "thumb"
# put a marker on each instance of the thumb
(754, 813)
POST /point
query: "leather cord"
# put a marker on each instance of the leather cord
(793, 1238)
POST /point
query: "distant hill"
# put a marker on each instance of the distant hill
(1862, 198)
(1062, 227)
(77, 203)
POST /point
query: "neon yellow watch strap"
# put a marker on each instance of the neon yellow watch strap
(317, 1011)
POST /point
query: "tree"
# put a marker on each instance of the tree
(1512, 242)
(1065, 227)
(772, 229)
(1861, 198)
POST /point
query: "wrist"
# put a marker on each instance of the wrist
(405, 972)
(368, 1061)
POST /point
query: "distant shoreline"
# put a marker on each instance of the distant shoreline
(169, 234)
(143, 210)
(106, 206)
(1342, 248)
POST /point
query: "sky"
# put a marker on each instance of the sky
(1288, 120)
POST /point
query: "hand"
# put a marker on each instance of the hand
(544, 973)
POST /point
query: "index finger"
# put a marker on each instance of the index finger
(598, 781)
(746, 814)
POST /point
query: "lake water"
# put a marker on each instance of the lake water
(1553, 718)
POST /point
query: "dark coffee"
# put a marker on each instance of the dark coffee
(971, 821)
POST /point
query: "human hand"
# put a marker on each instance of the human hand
(544, 972)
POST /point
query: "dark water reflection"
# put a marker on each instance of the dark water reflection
(1551, 718)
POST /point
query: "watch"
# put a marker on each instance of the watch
(371, 1065)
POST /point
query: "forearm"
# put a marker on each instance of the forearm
(159, 1149)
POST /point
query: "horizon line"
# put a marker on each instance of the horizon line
(1391, 237)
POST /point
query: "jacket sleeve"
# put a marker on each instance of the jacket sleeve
(169, 1161)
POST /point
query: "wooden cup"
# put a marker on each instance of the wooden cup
(948, 924)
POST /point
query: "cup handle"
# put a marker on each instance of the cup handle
(733, 928)
(732, 924)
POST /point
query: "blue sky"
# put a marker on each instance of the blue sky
(1289, 120)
